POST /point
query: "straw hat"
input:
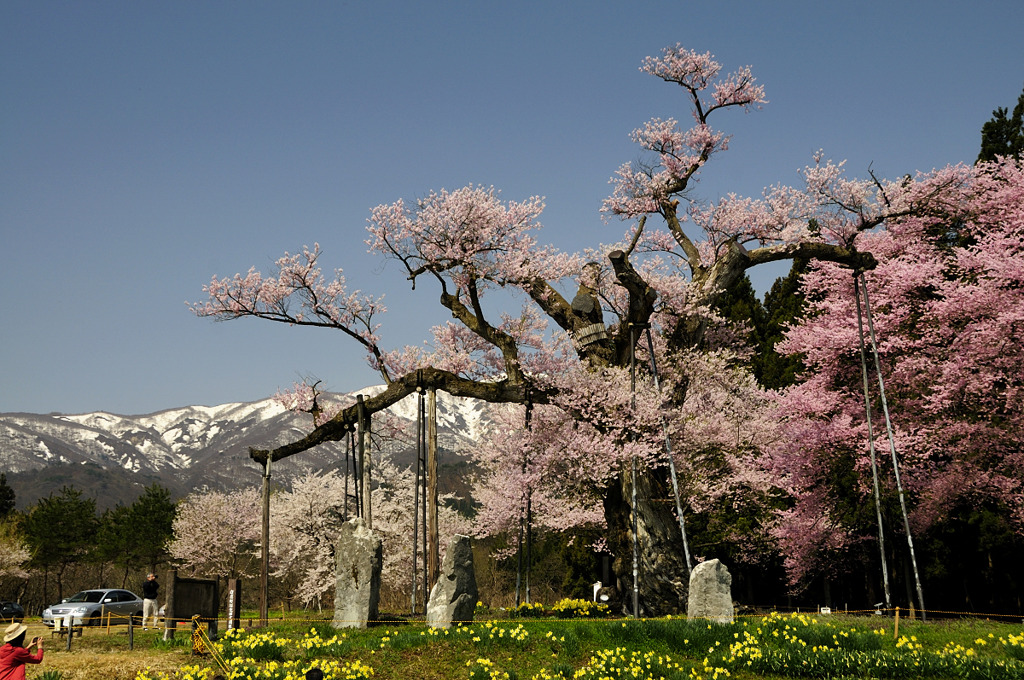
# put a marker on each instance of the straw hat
(13, 631)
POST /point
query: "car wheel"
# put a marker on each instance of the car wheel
(137, 619)
(94, 620)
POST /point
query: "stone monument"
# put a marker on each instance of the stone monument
(710, 593)
(357, 585)
(453, 598)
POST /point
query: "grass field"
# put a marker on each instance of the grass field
(771, 646)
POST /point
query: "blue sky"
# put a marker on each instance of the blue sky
(145, 147)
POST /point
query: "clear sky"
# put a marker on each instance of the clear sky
(146, 146)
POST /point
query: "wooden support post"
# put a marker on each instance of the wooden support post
(170, 625)
(433, 549)
(348, 452)
(423, 500)
(416, 495)
(363, 439)
(234, 603)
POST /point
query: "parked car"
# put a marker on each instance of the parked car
(90, 607)
(11, 611)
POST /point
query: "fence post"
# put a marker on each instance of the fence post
(131, 632)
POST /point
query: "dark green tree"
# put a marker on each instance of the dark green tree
(135, 537)
(6, 497)
(61, 530)
(783, 305)
(115, 540)
(1003, 135)
(764, 324)
(151, 518)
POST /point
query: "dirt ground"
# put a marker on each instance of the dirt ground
(98, 654)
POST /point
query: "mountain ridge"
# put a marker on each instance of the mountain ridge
(112, 457)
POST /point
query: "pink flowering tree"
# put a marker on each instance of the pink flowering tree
(14, 550)
(217, 534)
(947, 298)
(564, 353)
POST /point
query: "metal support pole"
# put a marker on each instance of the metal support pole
(265, 545)
(671, 460)
(519, 559)
(529, 541)
(633, 502)
(892, 448)
(871, 446)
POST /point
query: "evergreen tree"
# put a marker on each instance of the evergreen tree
(135, 537)
(151, 523)
(783, 305)
(765, 323)
(1002, 135)
(6, 497)
(61, 530)
(115, 539)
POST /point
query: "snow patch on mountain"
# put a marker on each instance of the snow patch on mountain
(209, 445)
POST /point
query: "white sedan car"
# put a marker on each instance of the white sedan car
(90, 608)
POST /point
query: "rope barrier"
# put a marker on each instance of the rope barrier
(200, 632)
(882, 612)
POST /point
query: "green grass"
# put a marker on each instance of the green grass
(793, 646)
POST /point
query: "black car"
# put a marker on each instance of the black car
(11, 611)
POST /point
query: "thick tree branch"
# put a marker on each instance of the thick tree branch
(669, 211)
(505, 392)
(807, 250)
(505, 343)
(641, 304)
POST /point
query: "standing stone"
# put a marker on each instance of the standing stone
(710, 593)
(453, 598)
(357, 585)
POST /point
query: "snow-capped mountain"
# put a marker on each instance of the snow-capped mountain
(110, 457)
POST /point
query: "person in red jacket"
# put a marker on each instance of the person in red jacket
(13, 656)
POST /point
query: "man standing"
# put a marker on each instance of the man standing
(150, 590)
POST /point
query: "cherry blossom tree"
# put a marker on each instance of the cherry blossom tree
(949, 316)
(557, 352)
(14, 550)
(306, 520)
(217, 533)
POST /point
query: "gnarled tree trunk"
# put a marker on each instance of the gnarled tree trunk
(663, 577)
